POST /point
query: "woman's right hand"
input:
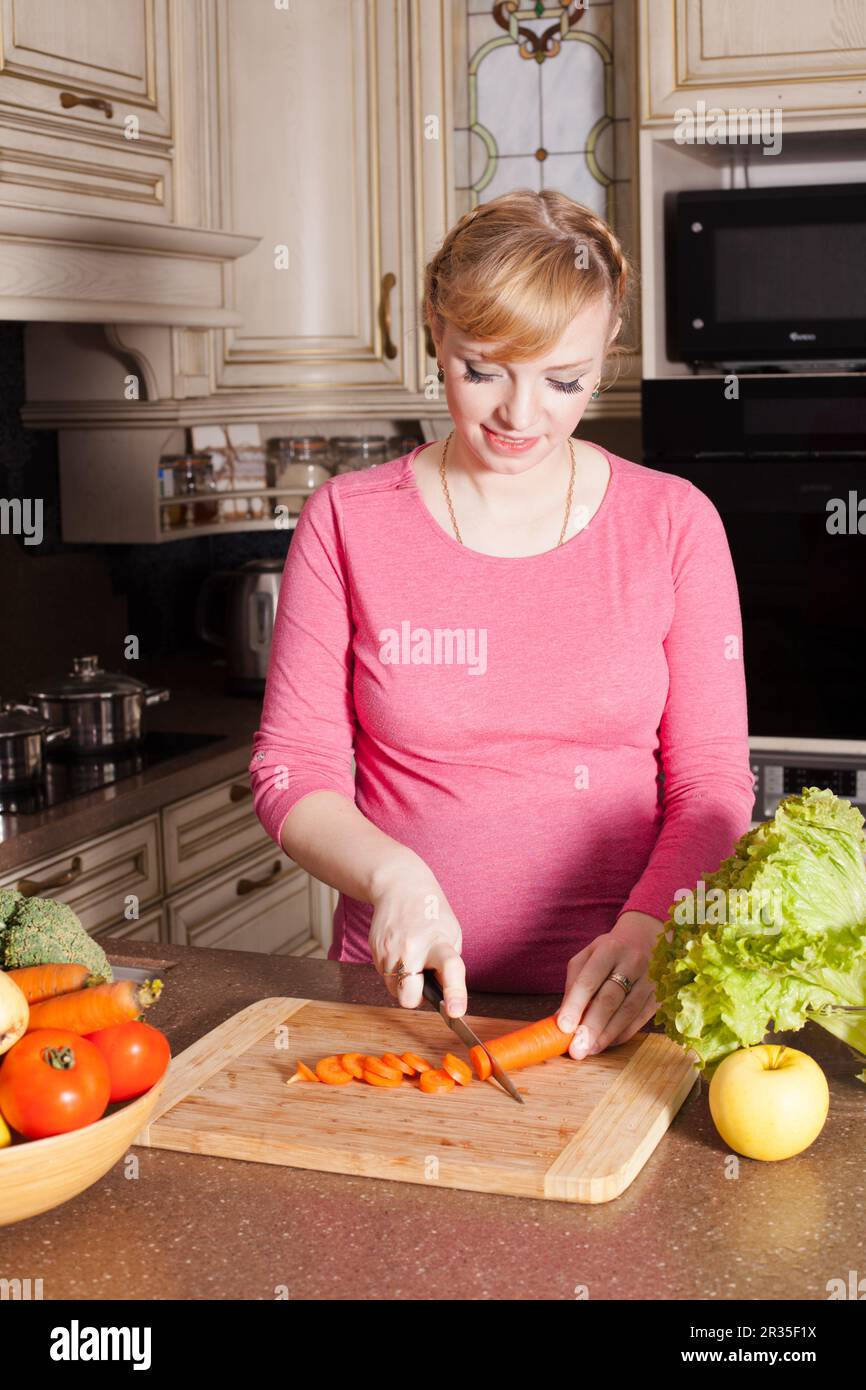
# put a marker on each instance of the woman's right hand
(413, 923)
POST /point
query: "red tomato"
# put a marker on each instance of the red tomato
(136, 1055)
(53, 1081)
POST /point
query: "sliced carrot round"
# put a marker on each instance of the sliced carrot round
(457, 1069)
(332, 1072)
(392, 1060)
(381, 1068)
(374, 1079)
(353, 1063)
(435, 1081)
(303, 1071)
(415, 1062)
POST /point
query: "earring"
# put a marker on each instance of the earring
(595, 392)
(440, 374)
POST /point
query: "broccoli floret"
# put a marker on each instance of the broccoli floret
(8, 898)
(41, 931)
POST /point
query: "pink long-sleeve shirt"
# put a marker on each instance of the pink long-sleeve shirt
(508, 716)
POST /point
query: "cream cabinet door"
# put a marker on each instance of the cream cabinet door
(794, 55)
(99, 879)
(263, 904)
(85, 106)
(333, 131)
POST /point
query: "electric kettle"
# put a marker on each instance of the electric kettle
(236, 610)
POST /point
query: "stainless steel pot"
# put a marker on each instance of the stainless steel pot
(24, 735)
(103, 710)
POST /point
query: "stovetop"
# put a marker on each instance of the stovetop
(66, 776)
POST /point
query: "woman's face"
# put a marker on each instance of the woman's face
(513, 415)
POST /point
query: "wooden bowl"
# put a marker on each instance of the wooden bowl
(38, 1174)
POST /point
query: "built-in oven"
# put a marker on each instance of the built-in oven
(784, 461)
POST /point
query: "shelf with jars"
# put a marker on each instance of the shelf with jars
(227, 482)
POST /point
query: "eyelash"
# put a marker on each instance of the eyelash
(569, 387)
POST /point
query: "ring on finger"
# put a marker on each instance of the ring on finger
(622, 980)
(401, 973)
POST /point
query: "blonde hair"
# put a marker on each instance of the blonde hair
(516, 270)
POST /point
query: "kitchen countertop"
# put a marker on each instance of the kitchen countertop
(195, 1227)
(199, 705)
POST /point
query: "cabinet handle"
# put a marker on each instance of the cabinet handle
(32, 887)
(388, 283)
(240, 792)
(252, 885)
(68, 99)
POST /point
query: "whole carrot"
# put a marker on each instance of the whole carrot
(537, 1043)
(40, 982)
(89, 1010)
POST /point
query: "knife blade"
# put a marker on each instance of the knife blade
(433, 994)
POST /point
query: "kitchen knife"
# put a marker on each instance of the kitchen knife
(433, 994)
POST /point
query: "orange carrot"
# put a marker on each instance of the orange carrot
(415, 1062)
(392, 1060)
(456, 1069)
(89, 1010)
(330, 1070)
(524, 1048)
(304, 1072)
(353, 1063)
(435, 1081)
(374, 1079)
(47, 981)
(375, 1064)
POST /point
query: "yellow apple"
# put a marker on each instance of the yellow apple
(769, 1101)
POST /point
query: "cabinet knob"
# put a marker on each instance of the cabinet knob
(388, 283)
(68, 99)
(252, 885)
(32, 887)
(240, 792)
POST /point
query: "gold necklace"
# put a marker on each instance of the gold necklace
(451, 505)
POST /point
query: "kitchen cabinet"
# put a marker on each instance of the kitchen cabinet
(794, 55)
(96, 877)
(204, 872)
(150, 927)
(85, 106)
(266, 898)
(334, 145)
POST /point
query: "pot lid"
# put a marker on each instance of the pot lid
(87, 681)
(14, 720)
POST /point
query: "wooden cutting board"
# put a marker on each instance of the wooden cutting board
(583, 1133)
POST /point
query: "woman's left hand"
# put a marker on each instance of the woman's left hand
(597, 1007)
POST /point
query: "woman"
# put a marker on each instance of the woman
(512, 631)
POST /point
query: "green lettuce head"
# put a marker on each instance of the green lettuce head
(776, 936)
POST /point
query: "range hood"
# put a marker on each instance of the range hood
(69, 267)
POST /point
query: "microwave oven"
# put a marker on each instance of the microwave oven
(767, 275)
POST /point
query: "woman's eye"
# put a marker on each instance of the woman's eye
(472, 375)
(568, 386)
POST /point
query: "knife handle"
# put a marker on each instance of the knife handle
(432, 989)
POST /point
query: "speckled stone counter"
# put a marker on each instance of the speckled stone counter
(195, 1227)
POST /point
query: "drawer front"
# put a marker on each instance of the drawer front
(262, 904)
(207, 830)
(80, 70)
(149, 927)
(96, 878)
